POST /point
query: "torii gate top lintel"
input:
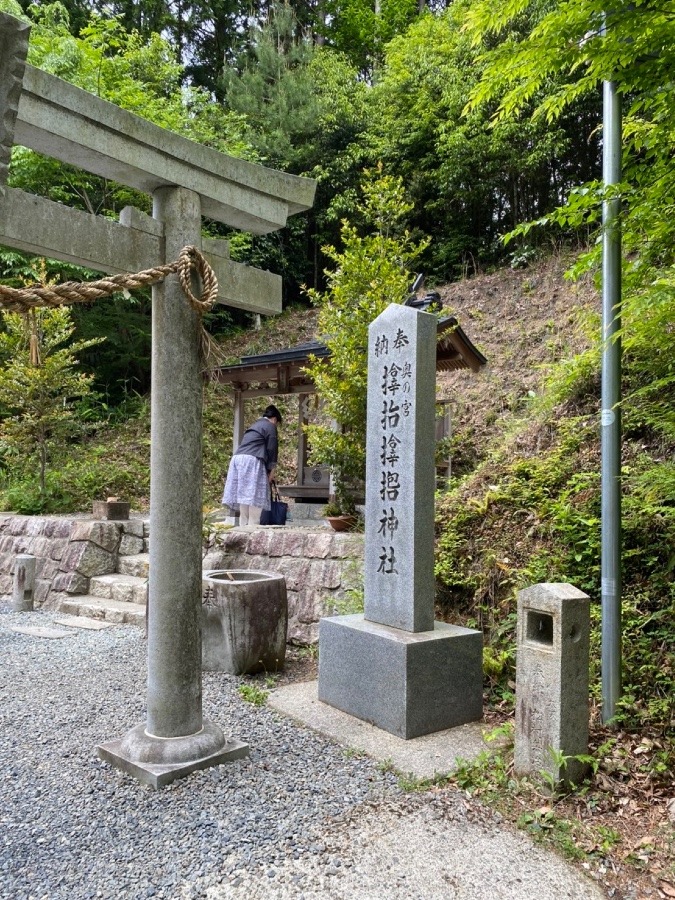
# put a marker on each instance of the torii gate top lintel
(53, 117)
(67, 123)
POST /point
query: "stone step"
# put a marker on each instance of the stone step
(138, 565)
(116, 611)
(317, 525)
(128, 588)
(307, 512)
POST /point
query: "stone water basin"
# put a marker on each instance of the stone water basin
(244, 621)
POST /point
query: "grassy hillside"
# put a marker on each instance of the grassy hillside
(522, 320)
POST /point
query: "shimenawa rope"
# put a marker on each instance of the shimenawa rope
(23, 299)
(26, 300)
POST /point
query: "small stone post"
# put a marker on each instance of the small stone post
(176, 739)
(24, 583)
(552, 681)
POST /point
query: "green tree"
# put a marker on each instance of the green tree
(140, 74)
(371, 271)
(570, 50)
(362, 28)
(137, 73)
(331, 150)
(306, 110)
(338, 152)
(470, 179)
(270, 85)
(39, 389)
(539, 75)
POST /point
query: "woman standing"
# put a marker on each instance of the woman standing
(252, 468)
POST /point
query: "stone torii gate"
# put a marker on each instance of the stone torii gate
(186, 180)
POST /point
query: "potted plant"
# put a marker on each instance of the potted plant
(340, 511)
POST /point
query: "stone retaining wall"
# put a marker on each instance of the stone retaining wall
(320, 567)
(68, 551)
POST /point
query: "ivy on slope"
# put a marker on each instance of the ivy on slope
(531, 513)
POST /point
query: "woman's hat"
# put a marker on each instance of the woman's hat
(272, 413)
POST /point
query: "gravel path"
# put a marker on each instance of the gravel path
(299, 818)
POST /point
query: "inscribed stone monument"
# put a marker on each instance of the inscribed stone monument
(400, 473)
(395, 666)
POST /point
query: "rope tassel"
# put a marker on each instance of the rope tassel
(33, 340)
(35, 360)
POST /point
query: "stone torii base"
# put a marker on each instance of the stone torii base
(159, 761)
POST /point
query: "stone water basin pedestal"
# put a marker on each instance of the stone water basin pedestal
(244, 621)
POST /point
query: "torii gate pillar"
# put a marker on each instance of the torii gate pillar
(175, 740)
(174, 634)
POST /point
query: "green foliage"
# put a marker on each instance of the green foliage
(305, 112)
(309, 651)
(567, 41)
(39, 395)
(371, 271)
(648, 665)
(271, 85)
(251, 693)
(555, 823)
(520, 519)
(470, 179)
(489, 774)
(353, 753)
(547, 69)
(136, 73)
(218, 425)
(361, 30)
(350, 604)
(121, 364)
(109, 456)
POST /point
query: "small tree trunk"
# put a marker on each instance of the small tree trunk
(43, 468)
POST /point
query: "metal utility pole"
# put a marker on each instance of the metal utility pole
(611, 410)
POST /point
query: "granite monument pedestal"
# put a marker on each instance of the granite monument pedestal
(407, 683)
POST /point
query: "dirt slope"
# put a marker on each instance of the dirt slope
(523, 321)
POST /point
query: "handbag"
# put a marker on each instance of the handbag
(277, 514)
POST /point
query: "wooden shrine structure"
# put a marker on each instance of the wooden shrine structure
(284, 372)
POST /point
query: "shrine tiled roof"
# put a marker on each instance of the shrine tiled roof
(283, 370)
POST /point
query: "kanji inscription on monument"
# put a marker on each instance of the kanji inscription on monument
(399, 576)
